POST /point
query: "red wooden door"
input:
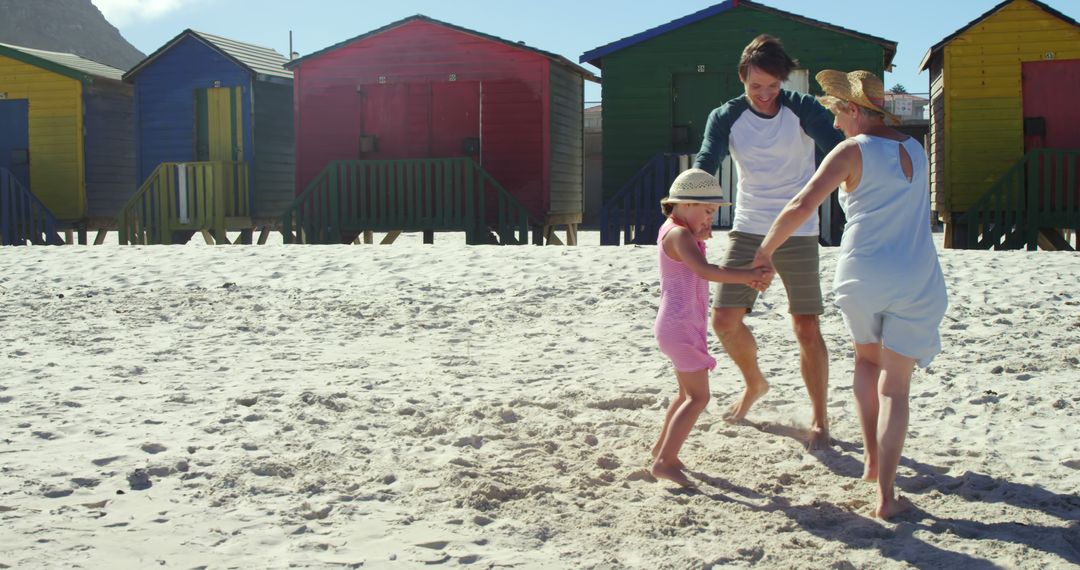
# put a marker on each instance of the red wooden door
(1050, 91)
(395, 121)
(455, 119)
(1052, 120)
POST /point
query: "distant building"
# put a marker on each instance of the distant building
(594, 165)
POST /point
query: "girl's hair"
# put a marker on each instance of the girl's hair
(667, 209)
(767, 54)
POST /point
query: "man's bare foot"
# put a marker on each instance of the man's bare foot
(818, 438)
(737, 412)
(660, 470)
(889, 508)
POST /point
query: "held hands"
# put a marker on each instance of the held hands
(763, 262)
(759, 278)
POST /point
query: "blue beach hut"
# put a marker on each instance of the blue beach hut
(214, 131)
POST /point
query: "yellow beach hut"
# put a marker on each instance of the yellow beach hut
(1005, 129)
(66, 123)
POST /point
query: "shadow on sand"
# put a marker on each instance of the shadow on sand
(834, 523)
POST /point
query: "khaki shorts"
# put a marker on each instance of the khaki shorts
(796, 263)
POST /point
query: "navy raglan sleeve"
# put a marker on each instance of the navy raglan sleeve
(816, 122)
(714, 146)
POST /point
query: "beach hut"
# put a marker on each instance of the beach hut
(1005, 129)
(422, 125)
(659, 86)
(215, 140)
(66, 144)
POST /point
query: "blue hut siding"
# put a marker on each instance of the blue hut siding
(165, 102)
(275, 153)
(109, 148)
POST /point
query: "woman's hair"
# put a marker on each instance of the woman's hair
(838, 105)
(767, 54)
(667, 209)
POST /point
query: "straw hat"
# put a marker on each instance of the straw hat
(860, 87)
(695, 185)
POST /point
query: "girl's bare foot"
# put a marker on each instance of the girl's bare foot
(751, 394)
(889, 508)
(661, 470)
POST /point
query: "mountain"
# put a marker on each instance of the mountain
(72, 26)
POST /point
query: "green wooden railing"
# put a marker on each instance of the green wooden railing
(430, 194)
(180, 198)
(1040, 192)
(23, 218)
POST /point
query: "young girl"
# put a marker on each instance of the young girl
(681, 321)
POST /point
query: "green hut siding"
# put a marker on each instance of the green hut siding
(637, 84)
(109, 148)
(273, 187)
(567, 141)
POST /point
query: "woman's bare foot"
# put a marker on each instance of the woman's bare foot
(678, 464)
(661, 470)
(889, 508)
(751, 394)
(869, 470)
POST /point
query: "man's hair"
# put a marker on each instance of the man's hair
(767, 54)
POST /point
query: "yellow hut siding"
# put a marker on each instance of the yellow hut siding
(56, 142)
(984, 104)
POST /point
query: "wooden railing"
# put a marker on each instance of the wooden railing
(633, 213)
(23, 218)
(1039, 193)
(431, 194)
(180, 198)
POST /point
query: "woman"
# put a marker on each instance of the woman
(888, 284)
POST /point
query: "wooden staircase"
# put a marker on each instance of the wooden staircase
(23, 217)
(1030, 206)
(353, 197)
(180, 199)
(632, 215)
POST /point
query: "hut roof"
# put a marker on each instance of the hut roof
(596, 56)
(554, 57)
(941, 45)
(257, 59)
(67, 64)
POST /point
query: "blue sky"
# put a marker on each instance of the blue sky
(565, 27)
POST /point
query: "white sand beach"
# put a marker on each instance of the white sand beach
(493, 407)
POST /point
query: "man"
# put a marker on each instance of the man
(771, 134)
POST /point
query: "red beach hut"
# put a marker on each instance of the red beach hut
(410, 126)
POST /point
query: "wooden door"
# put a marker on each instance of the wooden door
(219, 124)
(15, 138)
(455, 119)
(1052, 121)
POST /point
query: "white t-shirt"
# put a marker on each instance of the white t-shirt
(775, 155)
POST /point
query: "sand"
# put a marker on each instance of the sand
(442, 405)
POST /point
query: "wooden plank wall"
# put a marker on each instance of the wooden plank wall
(57, 174)
(637, 91)
(567, 140)
(983, 87)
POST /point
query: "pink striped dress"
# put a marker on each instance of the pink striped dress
(681, 322)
